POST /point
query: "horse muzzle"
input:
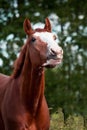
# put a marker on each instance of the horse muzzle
(54, 58)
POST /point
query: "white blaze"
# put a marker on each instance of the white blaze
(49, 39)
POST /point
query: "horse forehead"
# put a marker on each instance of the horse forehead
(45, 36)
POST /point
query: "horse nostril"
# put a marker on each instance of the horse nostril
(57, 52)
(53, 52)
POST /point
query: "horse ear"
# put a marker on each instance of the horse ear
(27, 27)
(47, 25)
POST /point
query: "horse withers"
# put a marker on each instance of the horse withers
(22, 102)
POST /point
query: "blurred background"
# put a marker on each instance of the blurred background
(66, 86)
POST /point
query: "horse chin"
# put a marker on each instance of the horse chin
(52, 63)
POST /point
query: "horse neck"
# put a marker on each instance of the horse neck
(32, 86)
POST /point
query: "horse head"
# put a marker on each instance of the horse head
(43, 48)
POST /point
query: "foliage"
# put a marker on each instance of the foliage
(73, 122)
(66, 86)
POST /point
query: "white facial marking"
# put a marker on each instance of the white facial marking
(55, 52)
(49, 39)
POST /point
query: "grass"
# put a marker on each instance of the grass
(73, 122)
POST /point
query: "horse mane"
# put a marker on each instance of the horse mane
(19, 62)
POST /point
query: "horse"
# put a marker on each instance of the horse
(22, 101)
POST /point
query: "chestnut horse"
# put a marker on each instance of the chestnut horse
(22, 102)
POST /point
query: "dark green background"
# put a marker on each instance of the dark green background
(66, 86)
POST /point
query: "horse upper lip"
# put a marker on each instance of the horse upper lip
(55, 57)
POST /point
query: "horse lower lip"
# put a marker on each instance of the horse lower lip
(52, 63)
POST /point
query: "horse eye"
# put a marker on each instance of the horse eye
(33, 39)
